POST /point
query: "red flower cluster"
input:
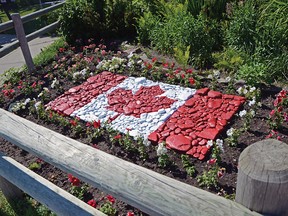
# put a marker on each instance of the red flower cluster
(117, 136)
(92, 203)
(74, 181)
(73, 123)
(110, 198)
(96, 124)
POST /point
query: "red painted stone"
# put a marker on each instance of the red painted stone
(208, 133)
(153, 137)
(214, 104)
(239, 98)
(214, 94)
(178, 130)
(190, 102)
(178, 142)
(222, 122)
(68, 111)
(196, 155)
(194, 142)
(204, 150)
(144, 98)
(203, 142)
(201, 157)
(192, 151)
(202, 91)
(212, 122)
(227, 115)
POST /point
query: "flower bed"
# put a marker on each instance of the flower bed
(228, 117)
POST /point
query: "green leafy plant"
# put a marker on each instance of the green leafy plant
(209, 178)
(107, 208)
(188, 166)
(34, 166)
(163, 158)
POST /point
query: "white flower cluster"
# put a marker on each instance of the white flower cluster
(146, 142)
(54, 83)
(230, 132)
(242, 113)
(161, 150)
(133, 60)
(45, 90)
(80, 73)
(243, 90)
(15, 107)
(111, 65)
(219, 143)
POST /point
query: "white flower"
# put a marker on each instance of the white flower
(45, 89)
(259, 104)
(228, 79)
(130, 55)
(55, 82)
(239, 90)
(209, 143)
(27, 101)
(130, 64)
(252, 89)
(146, 142)
(210, 76)
(242, 113)
(139, 62)
(216, 73)
(252, 113)
(252, 102)
(161, 150)
(230, 132)
(219, 143)
(37, 104)
(40, 94)
(245, 91)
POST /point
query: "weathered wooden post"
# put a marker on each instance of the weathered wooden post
(10, 191)
(262, 182)
(18, 25)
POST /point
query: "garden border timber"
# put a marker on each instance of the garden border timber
(56, 199)
(147, 190)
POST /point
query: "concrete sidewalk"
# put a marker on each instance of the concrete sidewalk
(15, 59)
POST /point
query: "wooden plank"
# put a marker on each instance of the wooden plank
(15, 44)
(6, 26)
(41, 12)
(55, 198)
(42, 31)
(10, 191)
(23, 41)
(9, 24)
(262, 182)
(142, 188)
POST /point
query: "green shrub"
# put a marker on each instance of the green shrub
(100, 18)
(242, 25)
(254, 73)
(144, 25)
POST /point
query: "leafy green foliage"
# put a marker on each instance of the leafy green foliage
(100, 18)
(188, 166)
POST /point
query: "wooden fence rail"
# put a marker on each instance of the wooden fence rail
(149, 191)
(22, 39)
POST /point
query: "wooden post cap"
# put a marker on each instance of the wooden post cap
(262, 181)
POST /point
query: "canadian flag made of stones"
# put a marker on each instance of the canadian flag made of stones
(182, 117)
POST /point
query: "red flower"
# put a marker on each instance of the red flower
(117, 136)
(61, 49)
(103, 52)
(183, 76)
(154, 59)
(73, 123)
(189, 71)
(74, 181)
(130, 213)
(34, 85)
(110, 198)
(96, 124)
(212, 161)
(191, 81)
(272, 113)
(88, 124)
(92, 203)
(165, 65)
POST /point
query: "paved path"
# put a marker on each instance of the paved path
(16, 59)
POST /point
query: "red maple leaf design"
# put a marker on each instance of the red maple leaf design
(145, 100)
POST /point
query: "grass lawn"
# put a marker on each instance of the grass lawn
(22, 11)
